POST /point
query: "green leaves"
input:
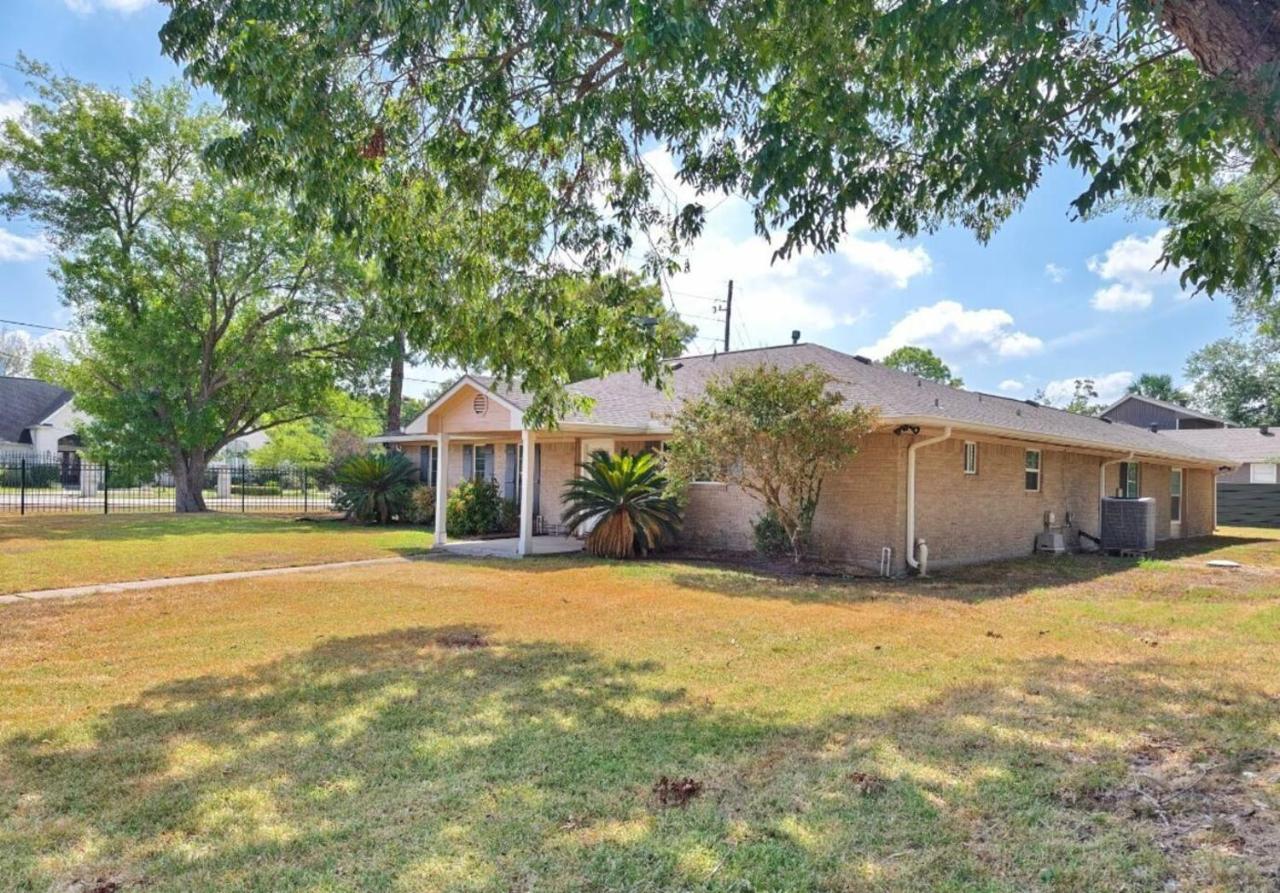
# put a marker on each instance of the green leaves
(775, 433)
(624, 502)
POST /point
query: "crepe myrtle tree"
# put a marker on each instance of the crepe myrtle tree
(776, 433)
(202, 314)
(537, 116)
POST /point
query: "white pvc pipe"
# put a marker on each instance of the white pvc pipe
(911, 493)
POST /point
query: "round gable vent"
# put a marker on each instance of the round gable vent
(480, 404)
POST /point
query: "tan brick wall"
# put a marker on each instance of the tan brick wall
(1199, 492)
(859, 512)
(991, 514)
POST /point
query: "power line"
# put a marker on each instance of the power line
(33, 325)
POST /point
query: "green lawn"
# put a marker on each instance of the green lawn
(1072, 724)
(49, 551)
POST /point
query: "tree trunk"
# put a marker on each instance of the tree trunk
(395, 397)
(188, 482)
(1239, 42)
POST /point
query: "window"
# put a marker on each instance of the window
(1262, 473)
(1175, 495)
(1130, 486)
(482, 464)
(1032, 466)
(970, 457)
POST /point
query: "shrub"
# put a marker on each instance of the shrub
(625, 498)
(38, 475)
(375, 486)
(271, 489)
(422, 505)
(509, 516)
(475, 508)
(770, 536)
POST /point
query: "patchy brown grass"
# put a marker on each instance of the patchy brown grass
(321, 732)
(52, 551)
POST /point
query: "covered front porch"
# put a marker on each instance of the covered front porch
(476, 432)
(509, 547)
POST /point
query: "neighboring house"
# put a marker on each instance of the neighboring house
(1248, 496)
(1158, 415)
(38, 421)
(975, 475)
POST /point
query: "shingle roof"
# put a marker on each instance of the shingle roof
(25, 402)
(1184, 411)
(1239, 444)
(625, 400)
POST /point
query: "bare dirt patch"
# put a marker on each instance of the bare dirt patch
(1203, 808)
(676, 791)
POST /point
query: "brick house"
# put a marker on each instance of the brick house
(974, 475)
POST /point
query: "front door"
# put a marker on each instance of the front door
(1175, 502)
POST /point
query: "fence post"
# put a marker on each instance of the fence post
(304, 490)
(243, 469)
(22, 487)
(106, 487)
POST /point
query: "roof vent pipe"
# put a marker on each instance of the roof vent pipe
(1264, 430)
(1155, 427)
(795, 336)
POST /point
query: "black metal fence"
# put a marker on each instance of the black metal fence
(33, 486)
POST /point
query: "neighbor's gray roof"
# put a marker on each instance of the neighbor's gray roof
(1239, 444)
(25, 402)
(625, 400)
(1178, 408)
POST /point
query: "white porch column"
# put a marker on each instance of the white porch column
(442, 487)
(525, 545)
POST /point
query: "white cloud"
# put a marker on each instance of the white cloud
(897, 263)
(14, 247)
(124, 7)
(1055, 272)
(1132, 266)
(957, 333)
(811, 293)
(1121, 297)
(11, 108)
(1010, 386)
(1110, 387)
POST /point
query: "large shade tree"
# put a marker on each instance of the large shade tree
(202, 314)
(1238, 379)
(537, 114)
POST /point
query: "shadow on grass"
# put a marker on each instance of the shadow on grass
(435, 758)
(967, 583)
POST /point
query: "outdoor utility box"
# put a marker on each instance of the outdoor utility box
(1128, 525)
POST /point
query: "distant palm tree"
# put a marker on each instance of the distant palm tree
(374, 486)
(625, 498)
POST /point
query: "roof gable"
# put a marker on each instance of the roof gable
(25, 402)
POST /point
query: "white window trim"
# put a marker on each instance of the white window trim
(1038, 470)
(970, 469)
(1182, 486)
(1255, 478)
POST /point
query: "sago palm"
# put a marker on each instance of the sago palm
(374, 486)
(625, 498)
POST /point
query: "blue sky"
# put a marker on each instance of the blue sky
(1046, 301)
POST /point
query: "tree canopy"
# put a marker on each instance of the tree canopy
(534, 117)
(202, 314)
(923, 362)
(1238, 379)
(1159, 387)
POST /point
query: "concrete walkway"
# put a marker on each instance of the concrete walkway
(14, 598)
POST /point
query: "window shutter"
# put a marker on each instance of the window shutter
(509, 473)
(468, 461)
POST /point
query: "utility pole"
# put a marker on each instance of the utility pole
(728, 313)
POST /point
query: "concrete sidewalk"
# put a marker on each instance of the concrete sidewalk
(14, 598)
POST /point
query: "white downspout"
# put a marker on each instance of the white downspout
(911, 494)
(1102, 485)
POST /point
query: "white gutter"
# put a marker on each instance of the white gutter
(911, 494)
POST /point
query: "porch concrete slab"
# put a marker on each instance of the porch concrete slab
(508, 547)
